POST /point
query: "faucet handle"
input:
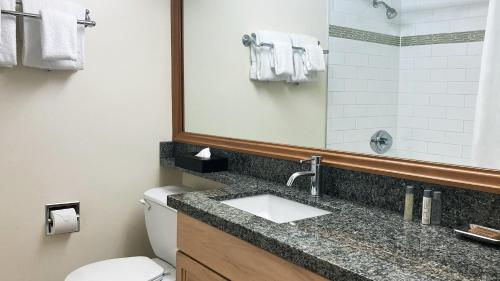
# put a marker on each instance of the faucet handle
(306, 161)
(313, 159)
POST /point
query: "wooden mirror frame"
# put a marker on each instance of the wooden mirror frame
(464, 177)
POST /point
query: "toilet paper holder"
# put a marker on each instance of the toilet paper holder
(59, 206)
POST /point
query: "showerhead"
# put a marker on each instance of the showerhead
(390, 11)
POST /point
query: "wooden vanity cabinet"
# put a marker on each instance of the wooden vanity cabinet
(213, 255)
(190, 270)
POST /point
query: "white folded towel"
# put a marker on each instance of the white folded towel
(309, 61)
(8, 51)
(59, 35)
(264, 59)
(283, 57)
(299, 59)
(315, 59)
(271, 63)
(32, 51)
(299, 74)
(282, 53)
(253, 63)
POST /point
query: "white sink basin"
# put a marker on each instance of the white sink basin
(276, 209)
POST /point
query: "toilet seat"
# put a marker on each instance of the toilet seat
(125, 269)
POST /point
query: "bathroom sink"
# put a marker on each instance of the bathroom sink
(274, 208)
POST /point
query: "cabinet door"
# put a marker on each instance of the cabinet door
(233, 258)
(190, 270)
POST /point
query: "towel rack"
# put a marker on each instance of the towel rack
(88, 22)
(250, 40)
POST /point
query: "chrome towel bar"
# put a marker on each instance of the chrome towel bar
(87, 22)
(250, 40)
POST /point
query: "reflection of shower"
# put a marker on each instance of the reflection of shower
(381, 142)
(391, 12)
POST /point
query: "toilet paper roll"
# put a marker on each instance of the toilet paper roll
(64, 221)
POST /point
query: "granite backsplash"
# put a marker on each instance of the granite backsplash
(459, 206)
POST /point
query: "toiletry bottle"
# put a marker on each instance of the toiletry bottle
(410, 193)
(426, 207)
(436, 208)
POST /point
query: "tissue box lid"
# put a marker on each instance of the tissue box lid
(201, 165)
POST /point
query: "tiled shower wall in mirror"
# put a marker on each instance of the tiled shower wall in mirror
(415, 76)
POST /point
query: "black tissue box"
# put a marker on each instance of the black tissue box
(189, 161)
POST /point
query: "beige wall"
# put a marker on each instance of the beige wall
(219, 96)
(90, 136)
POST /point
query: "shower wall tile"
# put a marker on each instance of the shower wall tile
(467, 62)
(363, 91)
(423, 18)
(474, 49)
(427, 82)
(432, 27)
(364, 73)
(449, 50)
(450, 75)
(438, 89)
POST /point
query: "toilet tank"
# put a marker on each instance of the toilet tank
(161, 221)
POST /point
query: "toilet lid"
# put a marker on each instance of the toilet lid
(125, 269)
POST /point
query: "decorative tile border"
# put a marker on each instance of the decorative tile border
(405, 41)
(366, 36)
(443, 38)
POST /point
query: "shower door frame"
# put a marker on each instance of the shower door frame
(472, 178)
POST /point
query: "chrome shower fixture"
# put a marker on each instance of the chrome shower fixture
(391, 12)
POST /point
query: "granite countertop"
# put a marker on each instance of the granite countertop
(354, 242)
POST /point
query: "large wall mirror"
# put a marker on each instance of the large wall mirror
(220, 98)
(404, 79)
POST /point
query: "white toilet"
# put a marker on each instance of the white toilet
(161, 224)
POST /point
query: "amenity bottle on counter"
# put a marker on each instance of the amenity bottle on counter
(427, 207)
(436, 208)
(410, 194)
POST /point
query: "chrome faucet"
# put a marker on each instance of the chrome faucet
(314, 173)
